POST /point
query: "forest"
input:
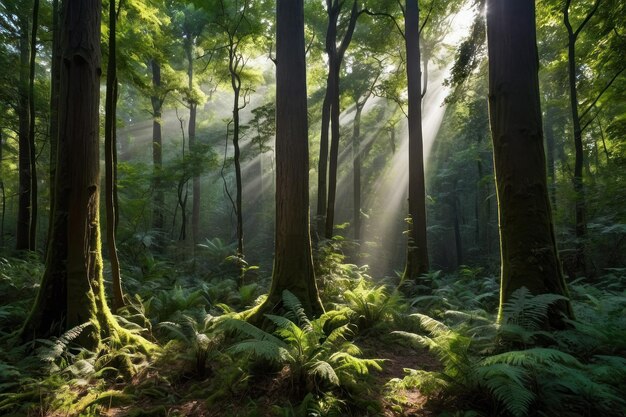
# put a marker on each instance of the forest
(301, 208)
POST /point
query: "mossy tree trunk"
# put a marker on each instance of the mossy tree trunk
(293, 262)
(527, 243)
(72, 289)
(417, 250)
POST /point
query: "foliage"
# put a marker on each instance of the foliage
(319, 358)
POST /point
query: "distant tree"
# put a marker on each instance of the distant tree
(72, 288)
(24, 214)
(293, 263)
(527, 242)
(327, 166)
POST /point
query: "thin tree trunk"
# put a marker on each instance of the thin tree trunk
(3, 191)
(417, 252)
(338, 54)
(528, 248)
(549, 131)
(157, 152)
(55, 80)
(580, 203)
(234, 66)
(356, 169)
(31, 130)
(193, 106)
(109, 160)
(22, 234)
(322, 166)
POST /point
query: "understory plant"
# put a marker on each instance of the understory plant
(317, 354)
(538, 377)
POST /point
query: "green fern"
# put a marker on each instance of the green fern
(317, 360)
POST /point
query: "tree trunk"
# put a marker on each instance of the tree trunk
(109, 159)
(293, 262)
(322, 166)
(234, 66)
(22, 233)
(157, 152)
(527, 242)
(72, 290)
(31, 129)
(3, 203)
(55, 80)
(356, 169)
(191, 130)
(549, 130)
(417, 251)
(338, 54)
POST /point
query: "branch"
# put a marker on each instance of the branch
(432, 4)
(606, 87)
(387, 15)
(588, 17)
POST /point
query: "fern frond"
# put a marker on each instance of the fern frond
(508, 385)
(295, 311)
(324, 371)
(263, 349)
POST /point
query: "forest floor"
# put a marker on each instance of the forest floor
(184, 397)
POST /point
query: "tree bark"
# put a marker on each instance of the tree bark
(293, 262)
(191, 130)
(527, 243)
(55, 80)
(157, 152)
(417, 251)
(72, 289)
(3, 197)
(31, 129)
(356, 169)
(22, 233)
(109, 160)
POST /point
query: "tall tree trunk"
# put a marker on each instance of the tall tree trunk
(527, 242)
(338, 54)
(580, 204)
(72, 289)
(55, 80)
(322, 166)
(293, 262)
(417, 251)
(157, 151)
(235, 67)
(191, 130)
(109, 160)
(31, 129)
(3, 201)
(22, 233)
(356, 169)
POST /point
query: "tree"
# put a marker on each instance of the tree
(110, 158)
(293, 262)
(22, 234)
(72, 289)
(327, 165)
(193, 26)
(417, 251)
(527, 243)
